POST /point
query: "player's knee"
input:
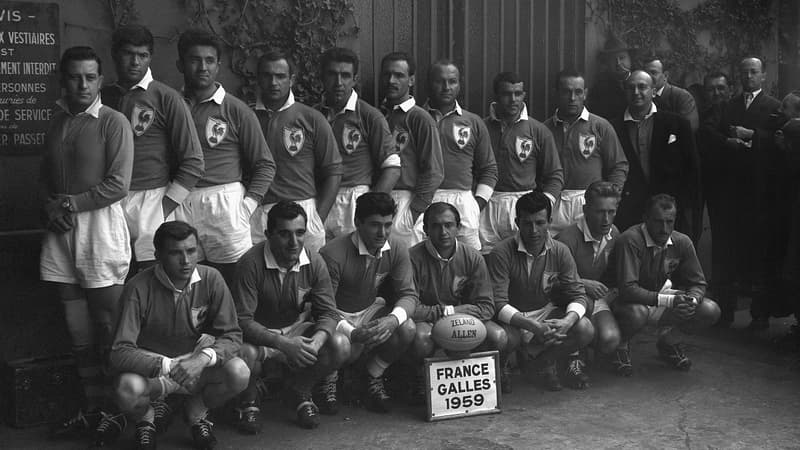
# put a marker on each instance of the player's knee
(338, 350)
(607, 339)
(129, 390)
(237, 374)
(249, 354)
(423, 345)
(631, 316)
(496, 337)
(707, 313)
(513, 338)
(583, 332)
(406, 332)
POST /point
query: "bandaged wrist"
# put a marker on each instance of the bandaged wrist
(166, 364)
(400, 313)
(666, 300)
(212, 356)
(344, 327)
(449, 310)
(506, 313)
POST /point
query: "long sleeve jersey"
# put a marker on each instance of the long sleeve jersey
(304, 149)
(529, 282)
(157, 318)
(590, 151)
(233, 144)
(467, 154)
(461, 281)
(417, 141)
(593, 258)
(643, 266)
(526, 155)
(357, 276)
(88, 155)
(270, 297)
(166, 148)
(365, 142)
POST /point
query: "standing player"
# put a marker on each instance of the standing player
(660, 283)
(370, 161)
(416, 140)
(466, 151)
(451, 278)
(539, 299)
(374, 285)
(527, 159)
(308, 165)
(591, 240)
(285, 305)
(167, 158)
(588, 146)
(177, 335)
(232, 143)
(86, 171)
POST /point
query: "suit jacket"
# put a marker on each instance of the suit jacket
(680, 101)
(674, 170)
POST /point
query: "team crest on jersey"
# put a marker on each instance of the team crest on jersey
(293, 139)
(523, 147)
(670, 264)
(549, 281)
(199, 315)
(302, 293)
(400, 139)
(351, 137)
(587, 144)
(216, 129)
(459, 286)
(141, 119)
(379, 277)
(462, 134)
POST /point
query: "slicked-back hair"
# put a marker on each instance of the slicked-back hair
(277, 55)
(284, 210)
(135, 35)
(338, 55)
(175, 230)
(198, 36)
(760, 60)
(601, 189)
(714, 75)
(79, 53)
(650, 57)
(443, 62)
(664, 202)
(505, 77)
(400, 56)
(533, 202)
(438, 208)
(371, 203)
(568, 73)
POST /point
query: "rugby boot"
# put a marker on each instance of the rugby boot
(674, 356)
(145, 435)
(325, 394)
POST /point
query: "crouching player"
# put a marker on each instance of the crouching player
(591, 241)
(539, 299)
(451, 278)
(652, 259)
(285, 303)
(177, 335)
(374, 285)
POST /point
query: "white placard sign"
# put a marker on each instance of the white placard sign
(462, 386)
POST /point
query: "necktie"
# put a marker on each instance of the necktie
(748, 99)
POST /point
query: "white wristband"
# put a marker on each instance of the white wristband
(666, 300)
(449, 310)
(212, 357)
(400, 313)
(577, 308)
(344, 327)
(506, 313)
(166, 364)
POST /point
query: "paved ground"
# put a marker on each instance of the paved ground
(741, 393)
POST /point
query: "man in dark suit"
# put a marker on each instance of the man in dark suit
(668, 97)
(605, 98)
(661, 151)
(747, 124)
(719, 181)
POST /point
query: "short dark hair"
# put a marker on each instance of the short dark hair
(505, 77)
(277, 55)
(340, 55)
(444, 62)
(533, 202)
(601, 189)
(400, 56)
(760, 60)
(716, 74)
(650, 57)
(664, 202)
(175, 230)
(284, 210)
(198, 36)
(79, 53)
(136, 35)
(371, 203)
(440, 207)
(568, 73)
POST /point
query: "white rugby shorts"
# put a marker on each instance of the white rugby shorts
(498, 219)
(567, 210)
(402, 226)
(144, 214)
(340, 219)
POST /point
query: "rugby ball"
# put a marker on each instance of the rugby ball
(458, 332)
